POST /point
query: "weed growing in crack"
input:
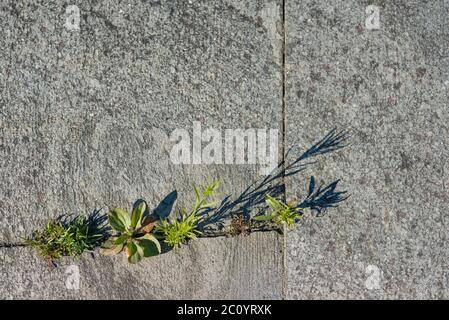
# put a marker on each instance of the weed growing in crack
(133, 234)
(176, 232)
(185, 227)
(62, 237)
(240, 225)
(281, 213)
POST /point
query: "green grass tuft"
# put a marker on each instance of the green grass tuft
(281, 213)
(179, 231)
(61, 238)
(176, 232)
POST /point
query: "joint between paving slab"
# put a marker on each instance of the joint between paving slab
(11, 245)
(206, 236)
(283, 124)
(283, 127)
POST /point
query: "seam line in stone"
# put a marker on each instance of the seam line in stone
(284, 236)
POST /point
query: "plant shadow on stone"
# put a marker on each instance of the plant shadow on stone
(245, 214)
(260, 207)
(254, 197)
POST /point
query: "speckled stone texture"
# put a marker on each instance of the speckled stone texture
(85, 119)
(218, 268)
(389, 87)
(86, 115)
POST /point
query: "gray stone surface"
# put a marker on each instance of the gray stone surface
(389, 87)
(85, 114)
(84, 119)
(219, 268)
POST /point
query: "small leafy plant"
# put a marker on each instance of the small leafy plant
(65, 238)
(133, 234)
(282, 214)
(185, 227)
(240, 225)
